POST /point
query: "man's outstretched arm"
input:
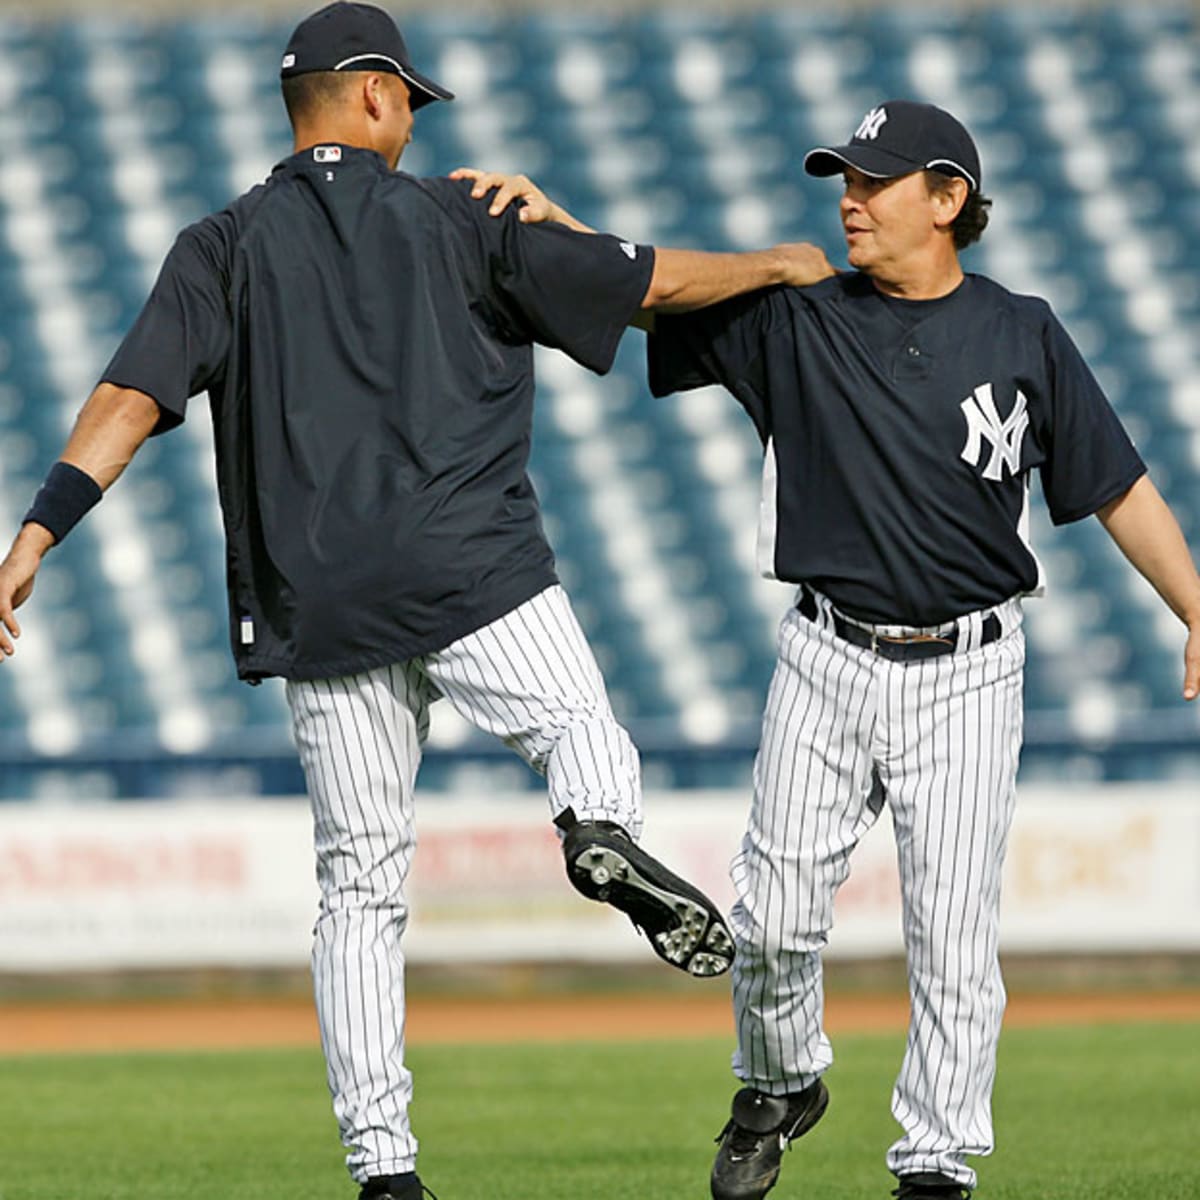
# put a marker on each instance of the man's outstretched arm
(1140, 522)
(683, 280)
(110, 428)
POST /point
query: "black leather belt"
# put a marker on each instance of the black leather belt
(897, 649)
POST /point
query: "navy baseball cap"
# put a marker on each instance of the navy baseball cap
(356, 37)
(899, 137)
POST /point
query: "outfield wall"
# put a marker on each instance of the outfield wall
(228, 883)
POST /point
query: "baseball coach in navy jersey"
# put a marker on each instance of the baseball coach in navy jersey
(903, 407)
(365, 339)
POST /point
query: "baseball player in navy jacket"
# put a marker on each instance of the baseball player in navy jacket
(366, 341)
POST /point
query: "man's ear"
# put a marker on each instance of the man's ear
(949, 201)
(371, 90)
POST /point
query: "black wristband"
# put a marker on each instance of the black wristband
(63, 499)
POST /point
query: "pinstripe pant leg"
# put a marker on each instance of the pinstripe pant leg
(531, 679)
(814, 798)
(954, 728)
(360, 741)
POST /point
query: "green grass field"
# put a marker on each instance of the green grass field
(1106, 1113)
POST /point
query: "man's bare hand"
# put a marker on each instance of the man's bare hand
(536, 205)
(17, 573)
(803, 263)
(1191, 665)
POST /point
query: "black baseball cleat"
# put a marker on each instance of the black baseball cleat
(395, 1187)
(931, 1185)
(756, 1135)
(683, 925)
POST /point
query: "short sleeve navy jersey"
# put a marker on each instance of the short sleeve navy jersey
(365, 338)
(900, 436)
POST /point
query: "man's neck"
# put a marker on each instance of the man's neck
(326, 133)
(322, 137)
(928, 280)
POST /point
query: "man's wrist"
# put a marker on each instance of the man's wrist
(777, 266)
(1189, 613)
(67, 495)
(33, 538)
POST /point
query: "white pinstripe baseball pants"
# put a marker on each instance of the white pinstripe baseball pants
(937, 740)
(529, 678)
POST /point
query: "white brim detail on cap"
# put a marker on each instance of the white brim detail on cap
(933, 164)
(404, 74)
(424, 87)
(365, 57)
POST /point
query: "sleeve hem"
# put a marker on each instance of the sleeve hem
(606, 352)
(168, 417)
(1092, 507)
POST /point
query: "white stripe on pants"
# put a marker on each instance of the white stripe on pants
(938, 740)
(530, 679)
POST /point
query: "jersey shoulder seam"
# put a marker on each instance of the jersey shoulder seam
(250, 200)
(1031, 311)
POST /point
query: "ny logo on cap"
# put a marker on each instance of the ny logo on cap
(871, 124)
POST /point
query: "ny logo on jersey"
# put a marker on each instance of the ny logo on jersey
(872, 123)
(1004, 434)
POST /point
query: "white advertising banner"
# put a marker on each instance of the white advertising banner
(1094, 869)
(154, 885)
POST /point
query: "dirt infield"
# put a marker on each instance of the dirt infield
(224, 1024)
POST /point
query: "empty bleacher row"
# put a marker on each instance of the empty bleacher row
(674, 126)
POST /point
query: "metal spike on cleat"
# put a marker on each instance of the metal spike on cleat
(719, 940)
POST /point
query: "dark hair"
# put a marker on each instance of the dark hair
(972, 218)
(305, 95)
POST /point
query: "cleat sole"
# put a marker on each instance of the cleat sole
(695, 938)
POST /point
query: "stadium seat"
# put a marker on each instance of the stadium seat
(678, 126)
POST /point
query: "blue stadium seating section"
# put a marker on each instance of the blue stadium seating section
(675, 126)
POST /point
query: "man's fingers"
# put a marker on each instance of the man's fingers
(507, 188)
(1191, 666)
(484, 180)
(804, 264)
(508, 191)
(8, 624)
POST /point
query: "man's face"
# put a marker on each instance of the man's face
(890, 224)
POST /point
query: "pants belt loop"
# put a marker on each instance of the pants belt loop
(970, 631)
